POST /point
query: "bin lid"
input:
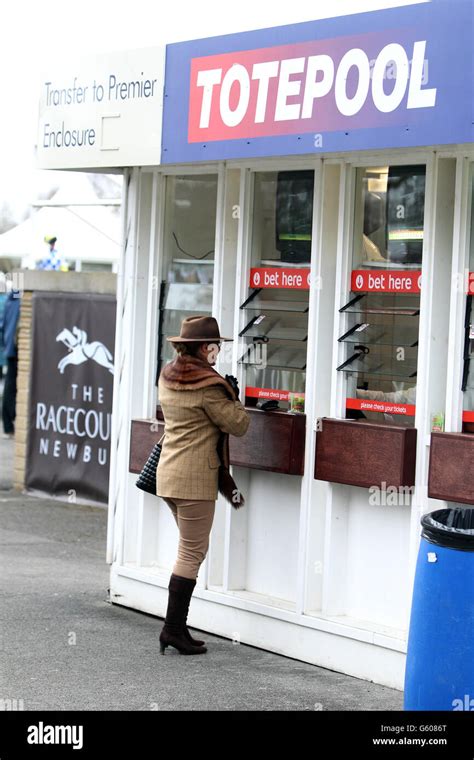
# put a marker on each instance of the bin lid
(453, 528)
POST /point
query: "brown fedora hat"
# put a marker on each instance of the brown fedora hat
(199, 329)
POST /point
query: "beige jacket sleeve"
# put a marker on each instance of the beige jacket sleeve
(229, 416)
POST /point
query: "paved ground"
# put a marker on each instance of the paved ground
(64, 647)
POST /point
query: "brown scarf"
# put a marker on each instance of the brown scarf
(190, 373)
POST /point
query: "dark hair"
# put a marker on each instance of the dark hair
(189, 347)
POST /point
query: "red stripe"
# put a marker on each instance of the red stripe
(382, 407)
(280, 395)
(390, 281)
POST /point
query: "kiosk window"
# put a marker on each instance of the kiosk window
(382, 314)
(275, 312)
(188, 254)
(468, 368)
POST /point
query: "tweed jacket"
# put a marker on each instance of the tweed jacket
(189, 464)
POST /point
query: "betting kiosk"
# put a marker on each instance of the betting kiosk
(314, 194)
(328, 210)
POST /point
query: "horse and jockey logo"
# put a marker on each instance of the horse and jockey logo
(81, 351)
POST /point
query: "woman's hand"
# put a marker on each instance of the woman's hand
(234, 383)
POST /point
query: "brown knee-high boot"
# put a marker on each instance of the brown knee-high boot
(191, 583)
(174, 631)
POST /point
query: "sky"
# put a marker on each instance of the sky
(36, 35)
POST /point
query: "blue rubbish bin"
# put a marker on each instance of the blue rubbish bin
(440, 656)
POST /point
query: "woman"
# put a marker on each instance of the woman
(3, 360)
(198, 405)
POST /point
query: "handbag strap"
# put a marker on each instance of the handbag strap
(155, 422)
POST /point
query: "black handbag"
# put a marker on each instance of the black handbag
(147, 478)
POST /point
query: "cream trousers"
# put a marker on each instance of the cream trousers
(194, 519)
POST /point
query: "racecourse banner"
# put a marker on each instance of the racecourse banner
(71, 386)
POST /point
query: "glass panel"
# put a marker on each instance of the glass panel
(268, 377)
(275, 312)
(188, 254)
(380, 362)
(277, 326)
(388, 230)
(278, 357)
(282, 218)
(393, 401)
(383, 303)
(375, 332)
(188, 297)
(382, 314)
(267, 304)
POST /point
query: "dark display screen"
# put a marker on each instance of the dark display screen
(294, 215)
(405, 213)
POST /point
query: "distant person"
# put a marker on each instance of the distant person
(9, 342)
(3, 358)
(53, 261)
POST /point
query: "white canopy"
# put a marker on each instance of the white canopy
(84, 233)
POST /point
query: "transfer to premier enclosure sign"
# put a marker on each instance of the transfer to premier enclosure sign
(102, 111)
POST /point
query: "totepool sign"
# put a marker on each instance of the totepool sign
(401, 77)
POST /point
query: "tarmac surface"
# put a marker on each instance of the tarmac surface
(64, 646)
